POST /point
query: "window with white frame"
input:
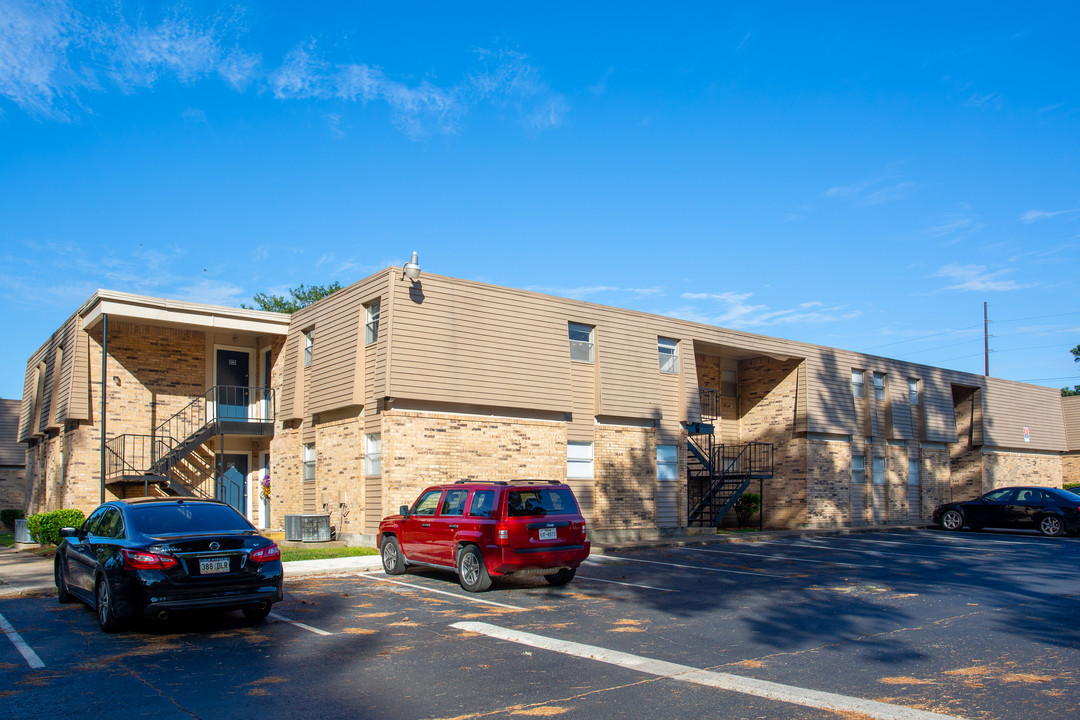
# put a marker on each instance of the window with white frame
(858, 383)
(309, 462)
(879, 386)
(579, 460)
(913, 391)
(913, 472)
(581, 342)
(879, 471)
(371, 326)
(667, 462)
(309, 346)
(729, 383)
(373, 455)
(858, 469)
(669, 354)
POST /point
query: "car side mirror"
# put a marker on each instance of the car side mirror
(404, 510)
(69, 532)
(983, 500)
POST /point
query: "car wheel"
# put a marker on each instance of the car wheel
(952, 520)
(256, 612)
(472, 573)
(562, 577)
(1051, 525)
(106, 617)
(62, 594)
(392, 561)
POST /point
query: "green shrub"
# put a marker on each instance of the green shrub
(9, 516)
(45, 527)
(1072, 486)
(746, 507)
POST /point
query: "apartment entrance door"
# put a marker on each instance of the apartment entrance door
(233, 374)
(232, 484)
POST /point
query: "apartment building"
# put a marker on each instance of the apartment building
(350, 406)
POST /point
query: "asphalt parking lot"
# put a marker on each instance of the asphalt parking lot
(879, 625)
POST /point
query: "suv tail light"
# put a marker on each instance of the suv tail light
(502, 533)
(584, 533)
(267, 554)
(142, 560)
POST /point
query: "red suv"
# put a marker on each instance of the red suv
(489, 529)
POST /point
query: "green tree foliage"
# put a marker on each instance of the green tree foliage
(1075, 389)
(300, 297)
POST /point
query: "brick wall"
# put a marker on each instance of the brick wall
(828, 483)
(1070, 468)
(935, 472)
(13, 487)
(767, 391)
(338, 470)
(625, 467)
(1003, 469)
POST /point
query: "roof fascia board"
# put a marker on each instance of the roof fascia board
(159, 311)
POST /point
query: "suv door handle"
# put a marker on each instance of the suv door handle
(426, 525)
(453, 527)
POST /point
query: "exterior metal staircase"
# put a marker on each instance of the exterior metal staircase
(173, 457)
(718, 475)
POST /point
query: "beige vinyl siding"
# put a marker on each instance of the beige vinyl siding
(48, 385)
(290, 402)
(11, 452)
(373, 509)
(669, 429)
(1070, 410)
(78, 390)
(800, 399)
(1009, 407)
(629, 367)
(689, 409)
(583, 393)
(467, 343)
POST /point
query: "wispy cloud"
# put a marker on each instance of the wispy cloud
(732, 309)
(976, 278)
(53, 58)
(1032, 216)
(882, 188)
(955, 227)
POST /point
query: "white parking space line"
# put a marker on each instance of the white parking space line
(616, 582)
(708, 678)
(593, 559)
(862, 551)
(415, 586)
(928, 546)
(770, 556)
(1019, 542)
(25, 650)
(298, 624)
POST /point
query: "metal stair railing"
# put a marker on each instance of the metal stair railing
(715, 487)
(221, 403)
(127, 455)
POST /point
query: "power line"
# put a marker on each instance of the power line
(970, 327)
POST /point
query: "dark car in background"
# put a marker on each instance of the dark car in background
(149, 557)
(1051, 511)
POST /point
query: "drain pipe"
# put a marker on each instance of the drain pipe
(104, 390)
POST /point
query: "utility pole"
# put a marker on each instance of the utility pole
(986, 340)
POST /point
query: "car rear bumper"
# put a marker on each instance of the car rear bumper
(511, 560)
(206, 603)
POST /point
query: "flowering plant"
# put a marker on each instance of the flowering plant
(266, 486)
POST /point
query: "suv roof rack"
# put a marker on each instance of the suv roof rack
(479, 482)
(508, 482)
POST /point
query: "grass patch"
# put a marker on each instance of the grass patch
(288, 554)
(7, 539)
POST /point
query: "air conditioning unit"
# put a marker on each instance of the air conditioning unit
(307, 528)
(22, 535)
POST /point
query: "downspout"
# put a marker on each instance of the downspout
(104, 388)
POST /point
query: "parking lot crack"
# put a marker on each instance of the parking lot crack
(158, 690)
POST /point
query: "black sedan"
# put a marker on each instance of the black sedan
(148, 557)
(1051, 511)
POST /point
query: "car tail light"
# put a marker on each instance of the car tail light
(142, 560)
(267, 554)
(584, 533)
(502, 534)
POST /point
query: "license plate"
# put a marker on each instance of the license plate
(210, 566)
(547, 533)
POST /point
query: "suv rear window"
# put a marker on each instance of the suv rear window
(187, 518)
(540, 501)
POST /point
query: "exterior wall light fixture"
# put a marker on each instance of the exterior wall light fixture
(411, 269)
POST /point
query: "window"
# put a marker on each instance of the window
(454, 502)
(858, 469)
(309, 346)
(667, 462)
(879, 386)
(372, 455)
(913, 471)
(729, 383)
(913, 391)
(427, 504)
(371, 328)
(669, 354)
(581, 342)
(540, 501)
(879, 471)
(858, 387)
(579, 460)
(309, 463)
(483, 502)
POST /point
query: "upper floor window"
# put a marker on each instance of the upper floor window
(309, 346)
(581, 342)
(879, 386)
(858, 384)
(913, 391)
(373, 455)
(669, 354)
(371, 327)
(667, 462)
(729, 383)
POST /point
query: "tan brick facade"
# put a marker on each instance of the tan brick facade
(828, 483)
(13, 487)
(1070, 468)
(625, 466)
(1009, 468)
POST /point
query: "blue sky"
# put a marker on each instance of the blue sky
(863, 176)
